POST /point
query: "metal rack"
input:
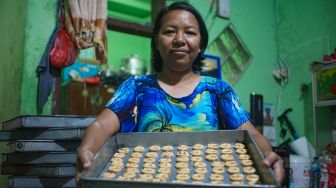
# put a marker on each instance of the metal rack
(41, 150)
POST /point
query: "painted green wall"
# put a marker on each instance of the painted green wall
(306, 31)
(13, 17)
(122, 45)
(303, 30)
(39, 26)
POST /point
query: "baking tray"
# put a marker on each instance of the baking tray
(39, 170)
(40, 182)
(43, 145)
(42, 134)
(55, 121)
(91, 178)
(39, 158)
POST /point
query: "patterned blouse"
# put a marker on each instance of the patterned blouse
(143, 106)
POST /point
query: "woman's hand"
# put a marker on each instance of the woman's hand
(84, 159)
(275, 162)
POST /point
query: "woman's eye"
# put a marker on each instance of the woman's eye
(191, 33)
(169, 32)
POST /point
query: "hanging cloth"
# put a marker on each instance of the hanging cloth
(85, 22)
(43, 71)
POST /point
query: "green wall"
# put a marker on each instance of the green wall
(13, 17)
(122, 45)
(301, 31)
(306, 31)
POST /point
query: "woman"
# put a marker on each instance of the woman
(176, 98)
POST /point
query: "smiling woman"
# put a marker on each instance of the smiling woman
(176, 97)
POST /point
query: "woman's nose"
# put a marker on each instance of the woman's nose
(179, 38)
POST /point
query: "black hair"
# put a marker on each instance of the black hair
(156, 57)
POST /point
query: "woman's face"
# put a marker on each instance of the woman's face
(178, 40)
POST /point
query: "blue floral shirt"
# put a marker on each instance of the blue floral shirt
(143, 106)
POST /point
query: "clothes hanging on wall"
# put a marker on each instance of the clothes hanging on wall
(85, 22)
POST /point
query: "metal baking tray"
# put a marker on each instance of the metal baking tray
(39, 170)
(91, 178)
(42, 134)
(40, 182)
(43, 145)
(55, 121)
(39, 158)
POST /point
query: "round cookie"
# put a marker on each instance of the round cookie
(164, 170)
(148, 171)
(233, 170)
(162, 176)
(243, 157)
(252, 178)
(227, 157)
(167, 155)
(211, 151)
(115, 168)
(211, 157)
(241, 151)
(182, 153)
(231, 163)
(183, 170)
(182, 177)
(149, 165)
(182, 147)
(108, 175)
(236, 177)
(197, 147)
(146, 176)
(216, 177)
(132, 165)
(123, 150)
(136, 154)
(134, 160)
(199, 164)
(201, 170)
(182, 159)
(239, 146)
(151, 155)
(196, 159)
(225, 146)
(197, 177)
(196, 153)
(247, 162)
(181, 165)
(226, 151)
(120, 160)
(165, 165)
(132, 170)
(117, 163)
(218, 170)
(154, 148)
(119, 155)
(165, 160)
(139, 149)
(217, 164)
(167, 148)
(149, 160)
(249, 170)
(212, 146)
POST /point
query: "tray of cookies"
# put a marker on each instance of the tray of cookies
(226, 158)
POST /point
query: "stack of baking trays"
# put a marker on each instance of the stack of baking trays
(179, 159)
(41, 150)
